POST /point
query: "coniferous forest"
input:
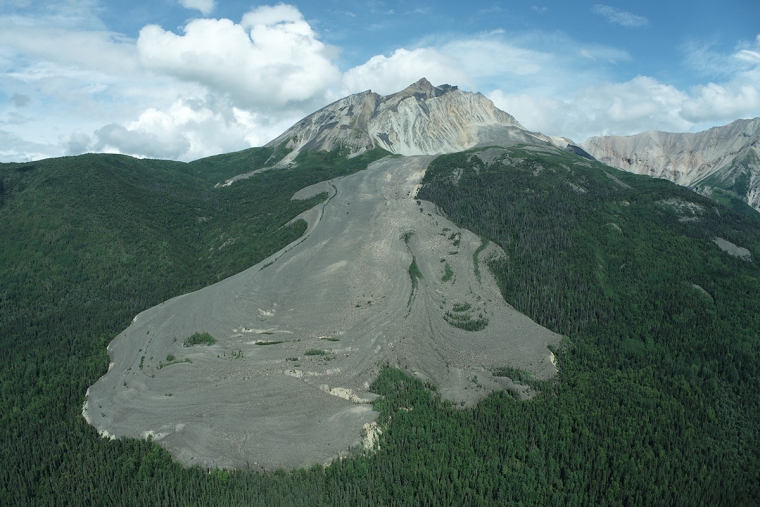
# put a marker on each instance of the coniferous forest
(657, 399)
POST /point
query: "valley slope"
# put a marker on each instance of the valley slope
(654, 288)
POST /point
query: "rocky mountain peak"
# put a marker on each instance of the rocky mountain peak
(422, 90)
(421, 119)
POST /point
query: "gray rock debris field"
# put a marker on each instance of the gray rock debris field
(344, 288)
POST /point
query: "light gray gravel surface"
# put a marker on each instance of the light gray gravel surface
(344, 288)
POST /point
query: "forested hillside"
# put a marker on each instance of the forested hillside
(657, 400)
(658, 384)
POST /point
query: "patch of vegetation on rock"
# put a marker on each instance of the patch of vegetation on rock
(465, 321)
(448, 273)
(199, 339)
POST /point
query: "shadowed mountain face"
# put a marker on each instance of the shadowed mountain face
(420, 120)
(722, 162)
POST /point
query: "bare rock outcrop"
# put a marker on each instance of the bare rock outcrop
(725, 157)
(420, 120)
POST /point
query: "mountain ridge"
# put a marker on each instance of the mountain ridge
(421, 119)
(719, 162)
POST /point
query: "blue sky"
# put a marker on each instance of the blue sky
(182, 79)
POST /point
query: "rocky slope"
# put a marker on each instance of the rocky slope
(379, 278)
(721, 159)
(420, 120)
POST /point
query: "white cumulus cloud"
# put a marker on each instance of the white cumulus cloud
(117, 138)
(271, 60)
(386, 75)
(626, 105)
(14, 148)
(640, 104)
(539, 113)
(188, 129)
(75, 143)
(469, 62)
(721, 102)
(736, 94)
(631, 107)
